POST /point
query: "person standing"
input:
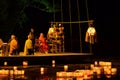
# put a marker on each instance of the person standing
(32, 35)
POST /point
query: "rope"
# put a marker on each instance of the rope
(87, 11)
(88, 22)
(78, 7)
(75, 22)
(70, 22)
(62, 22)
(61, 12)
(53, 10)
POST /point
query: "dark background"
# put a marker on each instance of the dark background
(18, 16)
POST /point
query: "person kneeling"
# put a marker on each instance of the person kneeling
(28, 48)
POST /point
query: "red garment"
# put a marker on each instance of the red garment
(43, 44)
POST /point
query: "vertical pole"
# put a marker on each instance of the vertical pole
(88, 24)
(78, 7)
(62, 46)
(54, 10)
(70, 23)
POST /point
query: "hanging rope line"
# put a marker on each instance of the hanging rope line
(87, 11)
(88, 22)
(70, 22)
(78, 7)
(61, 11)
(54, 11)
(62, 21)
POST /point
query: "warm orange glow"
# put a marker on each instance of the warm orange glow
(65, 67)
(91, 31)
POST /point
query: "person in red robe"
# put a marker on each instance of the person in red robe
(43, 46)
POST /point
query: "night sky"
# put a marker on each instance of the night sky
(108, 16)
(18, 16)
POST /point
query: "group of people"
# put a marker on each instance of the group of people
(55, 38)
(31, 43)
(35, 44)
(29, 46)
(11, 47)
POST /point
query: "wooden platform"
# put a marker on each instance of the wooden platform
(40, 58)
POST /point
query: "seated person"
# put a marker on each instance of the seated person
(13, 45)
(43, 44)
(1, 43)
(28, 48)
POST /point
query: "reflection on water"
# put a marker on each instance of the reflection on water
(97, 71)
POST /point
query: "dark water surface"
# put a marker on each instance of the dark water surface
(57, 72)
